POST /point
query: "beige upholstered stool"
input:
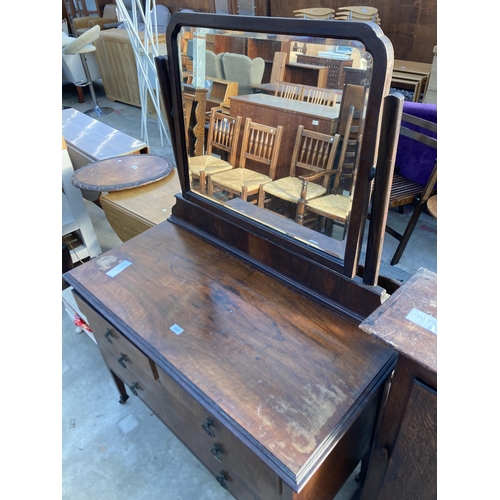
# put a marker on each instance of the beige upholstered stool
(81, 46)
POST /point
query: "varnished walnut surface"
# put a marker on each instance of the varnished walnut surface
(287, 370)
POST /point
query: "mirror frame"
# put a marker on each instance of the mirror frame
(374, 41)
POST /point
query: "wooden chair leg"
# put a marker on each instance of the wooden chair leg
(79, 91)
(414, 217)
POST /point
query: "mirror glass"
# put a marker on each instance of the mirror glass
(274, 124)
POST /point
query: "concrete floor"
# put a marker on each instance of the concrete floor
(124, 452)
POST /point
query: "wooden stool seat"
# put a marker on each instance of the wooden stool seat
(432, 206)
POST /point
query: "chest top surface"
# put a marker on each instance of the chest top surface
(408, 319)
(284, 370)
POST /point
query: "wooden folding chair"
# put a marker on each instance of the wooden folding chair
(404, 190)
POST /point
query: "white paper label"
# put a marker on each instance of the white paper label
(119, 268)
(423, 319)
(176, 329)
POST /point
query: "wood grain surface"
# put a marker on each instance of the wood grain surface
(288, 372)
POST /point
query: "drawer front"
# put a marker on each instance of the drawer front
(219, 449)
(108, 337)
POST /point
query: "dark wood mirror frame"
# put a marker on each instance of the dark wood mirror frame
(328, 279)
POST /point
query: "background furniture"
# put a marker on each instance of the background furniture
(133, 211)
(403, 461)
(332, 206)
(336, 76)
(430, 96)
(81, 46)
(89, 140)
(306, 74)
(223, 134)
(117, 65)
(109, 17)
(313, 155)
(275, 111)
(72, 68)
(121, 172)
(220, 91)
(243, 70)
(412, 28)
(260, 145)
(315, 13)
(415, 167)
(77, 227)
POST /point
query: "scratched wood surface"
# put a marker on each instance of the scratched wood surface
(390, 324)
(286, 369)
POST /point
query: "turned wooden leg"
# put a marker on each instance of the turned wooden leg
(202, 187)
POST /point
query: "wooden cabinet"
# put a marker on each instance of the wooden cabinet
(336, 76)
(404, 458)
(178, 329)
(306, 74)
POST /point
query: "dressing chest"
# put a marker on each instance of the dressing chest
(241, 337)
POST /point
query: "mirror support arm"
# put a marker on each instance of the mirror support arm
(389, 136)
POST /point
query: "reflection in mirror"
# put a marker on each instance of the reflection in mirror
(274, 124)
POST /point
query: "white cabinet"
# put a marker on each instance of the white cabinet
(75, 217)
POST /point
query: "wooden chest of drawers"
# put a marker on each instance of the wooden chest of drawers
(274, 393)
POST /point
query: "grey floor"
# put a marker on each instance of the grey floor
(112, 451)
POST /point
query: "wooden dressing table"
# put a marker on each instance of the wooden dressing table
(244, 341)
(233, 360)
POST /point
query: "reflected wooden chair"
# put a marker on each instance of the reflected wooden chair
(316, 95)
(313, 154)
(333, 206)
(353, 95)
(223, 134)
(261, 143)
(315, 13)
(288, 90)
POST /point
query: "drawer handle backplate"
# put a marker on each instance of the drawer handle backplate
(133, 388)
(122, 360)
(222, 479)
(209, 423)
(217, 452)
(108, 335)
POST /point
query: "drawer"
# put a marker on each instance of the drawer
(108, 337)
(245, 475)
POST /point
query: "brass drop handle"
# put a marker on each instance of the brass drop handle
(122, 360)
(222, 479)
(133, 388)
(209, 423)
(107, 335)
(217, 452)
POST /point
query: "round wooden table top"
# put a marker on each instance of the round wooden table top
(121, 172)
(432, 206)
